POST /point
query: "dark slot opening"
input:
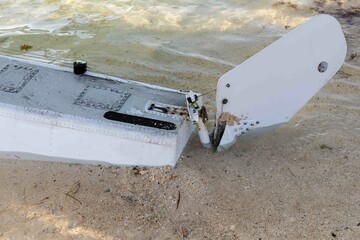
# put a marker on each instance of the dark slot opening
(137, 120)
(216, 141)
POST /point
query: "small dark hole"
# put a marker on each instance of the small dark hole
(151, 107)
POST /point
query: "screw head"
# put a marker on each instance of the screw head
(228, 85)
(225, 101)
(323, 66)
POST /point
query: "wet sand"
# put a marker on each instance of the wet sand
(297, 182)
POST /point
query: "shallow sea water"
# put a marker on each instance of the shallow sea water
(179, 44)
(173, 43)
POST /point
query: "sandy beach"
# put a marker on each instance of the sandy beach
(297, 182)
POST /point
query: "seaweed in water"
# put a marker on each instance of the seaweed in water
(288, 4)
(346, 14)
(25, 47)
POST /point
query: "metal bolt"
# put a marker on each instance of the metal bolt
(228, 85)
(323, 66)
(224, 101)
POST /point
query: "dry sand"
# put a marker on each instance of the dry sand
(298, 182)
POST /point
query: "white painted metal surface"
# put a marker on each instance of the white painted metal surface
(195, 108)
(48, 113)
(54, 114)
(269, 88)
